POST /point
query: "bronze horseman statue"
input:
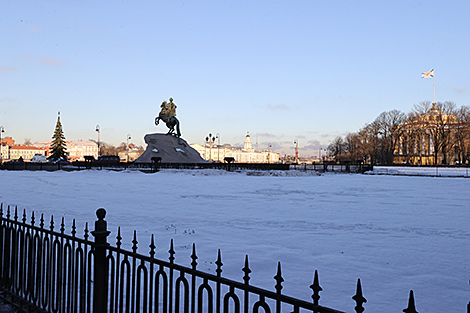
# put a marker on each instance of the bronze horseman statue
(168, 115)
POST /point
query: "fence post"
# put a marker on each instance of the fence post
(100, 271)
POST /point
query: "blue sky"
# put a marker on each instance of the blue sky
(285, 70)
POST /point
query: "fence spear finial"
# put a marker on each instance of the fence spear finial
(62, 226)
(278, 279)
(219, 264)
(119, 238)
(74, 228)
(152, 247)
(134, 242)
(52, 223)
(359, 298)
(171, 252)
(316, 288)
(194, 257)
(411, 304)
(247, 271)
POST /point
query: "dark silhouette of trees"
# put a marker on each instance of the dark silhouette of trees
(352, 147)
(336, 148)
(388, 131)
(370, 142)
(108, 149)
(437, 129)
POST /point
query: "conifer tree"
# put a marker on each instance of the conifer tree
(58, 145)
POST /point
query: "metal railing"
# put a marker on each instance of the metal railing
(50, 271)
(43, 270)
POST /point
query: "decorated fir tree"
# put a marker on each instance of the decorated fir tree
(58, 145)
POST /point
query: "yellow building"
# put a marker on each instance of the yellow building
(429, 138)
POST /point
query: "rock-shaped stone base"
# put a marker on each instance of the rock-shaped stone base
(169, 150)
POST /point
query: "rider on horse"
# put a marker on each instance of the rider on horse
(168, 115)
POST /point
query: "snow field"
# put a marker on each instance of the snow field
(395, 233)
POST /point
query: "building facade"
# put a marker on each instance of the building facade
(130, 154)
(217, 153)
(4, 152)
(78, 149)
(5, 145)
(26, 153)
(432, 138)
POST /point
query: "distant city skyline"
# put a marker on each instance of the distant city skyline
(300, 70)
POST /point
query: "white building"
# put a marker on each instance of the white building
(131, 155)
(217, 153)
(24, 152)
(4, 152)
(78, 149)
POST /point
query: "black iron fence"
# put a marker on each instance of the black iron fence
(157, 165)
(334, 167)
(44, 270)
(146, 167)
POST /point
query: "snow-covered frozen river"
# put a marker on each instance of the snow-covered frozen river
(396, 233)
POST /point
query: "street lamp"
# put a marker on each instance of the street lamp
(210, 140)
(128, 138)
(2, 130)
(269, 153)
(218, 145)
(98, 131)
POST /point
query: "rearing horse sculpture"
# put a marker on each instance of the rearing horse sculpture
(168, 115)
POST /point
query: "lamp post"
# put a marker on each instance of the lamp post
(269, 153)
(210, 140)
(97, 129)
(2, 130)
(218, 145)
(128, 138)
(296, 142)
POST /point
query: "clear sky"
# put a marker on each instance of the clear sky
(282, 70)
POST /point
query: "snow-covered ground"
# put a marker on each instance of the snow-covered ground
(396, 233)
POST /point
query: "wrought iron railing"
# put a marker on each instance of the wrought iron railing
(44, 270)
(50, 271)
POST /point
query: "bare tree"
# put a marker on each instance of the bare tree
(430, 129)
(107, 149)
(462, 134)
(389, 131)
(369, 137)
(336, 148)
(352, 147)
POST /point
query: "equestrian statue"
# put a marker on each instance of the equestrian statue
(168, 115)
